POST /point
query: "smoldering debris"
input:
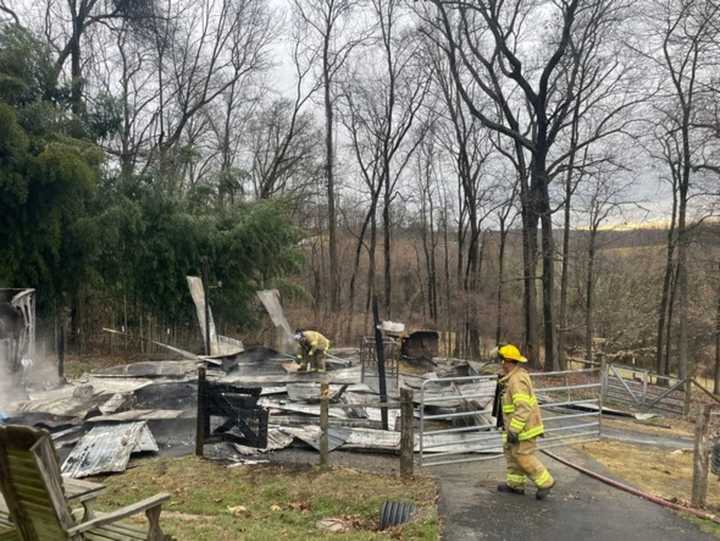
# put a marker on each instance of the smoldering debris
(109, 415)
(100, 417)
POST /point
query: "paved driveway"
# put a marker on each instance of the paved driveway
(580, 508)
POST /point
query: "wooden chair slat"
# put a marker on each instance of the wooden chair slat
(21, 471)
(37, 502)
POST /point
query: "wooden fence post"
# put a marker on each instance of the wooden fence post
(407, 433)
(324, 405)
(688, 396)
(701, 458)
(603, 390)
(200, 427)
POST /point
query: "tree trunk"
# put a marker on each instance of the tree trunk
(683, 359)
(716, 387)
(529, 234)
(671, 310)
(474, 319)
(433, 265)
(501, 276)
(472, 262)
(589, 288)
(663, 324)
(561, 364)
(448, 325)
(330, 181)
(75, 69)
(428, 240)
(541, 207)
(460, 234)
(371, 262)
(386, 248)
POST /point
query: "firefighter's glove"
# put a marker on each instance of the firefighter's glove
(512, 437)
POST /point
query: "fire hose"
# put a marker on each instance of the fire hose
(626, 488)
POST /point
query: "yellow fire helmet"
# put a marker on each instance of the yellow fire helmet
(511, 353)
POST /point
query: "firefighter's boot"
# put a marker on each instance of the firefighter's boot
(543, 492)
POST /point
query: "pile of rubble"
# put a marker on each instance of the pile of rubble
(99, 421)
(103, 418)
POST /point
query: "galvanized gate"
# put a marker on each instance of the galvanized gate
(456, 423)
(637, 389)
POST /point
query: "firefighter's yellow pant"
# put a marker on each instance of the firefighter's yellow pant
(522, 463)
(316, 360)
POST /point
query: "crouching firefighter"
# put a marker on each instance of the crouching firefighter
(313, 347)
(517, 411)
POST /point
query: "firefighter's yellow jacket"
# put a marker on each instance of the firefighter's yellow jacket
(520, 410)
(316, 342)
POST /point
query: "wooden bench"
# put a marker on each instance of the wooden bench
(39, 502)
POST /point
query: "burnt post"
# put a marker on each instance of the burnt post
(324, 414)
(206, 294)
(380, 352)
(407, 433)
(61, 349)
(701, 458)
(200, 425)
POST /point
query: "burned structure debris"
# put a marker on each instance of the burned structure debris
(240, 403)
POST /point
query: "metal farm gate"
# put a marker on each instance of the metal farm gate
(641, 390)
(456, 423)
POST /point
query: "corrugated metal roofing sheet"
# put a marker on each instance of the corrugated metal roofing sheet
(108, 449)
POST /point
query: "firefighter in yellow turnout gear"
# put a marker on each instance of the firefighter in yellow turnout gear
(521, 419)
(313, 347)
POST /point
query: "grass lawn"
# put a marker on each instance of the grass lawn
(268, 502)
(663, 472)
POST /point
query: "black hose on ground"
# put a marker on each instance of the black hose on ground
(626, 488)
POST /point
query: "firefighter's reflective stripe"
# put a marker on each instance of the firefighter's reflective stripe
(530, 433)
(526, 398)
(543, 479)
(516, 425)
(508, 408)
(516, 480)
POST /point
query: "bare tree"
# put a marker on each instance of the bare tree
(333, 30)
(283, 147)
(427, 160)
(506, 216)
(685, 32)
(605, 197)
(382, 100)
(467, 145)
(7, 11)
(74, 19)
(532, 96)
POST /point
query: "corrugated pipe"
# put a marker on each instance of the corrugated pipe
(636, 492)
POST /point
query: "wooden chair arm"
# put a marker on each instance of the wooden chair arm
(123, 512)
